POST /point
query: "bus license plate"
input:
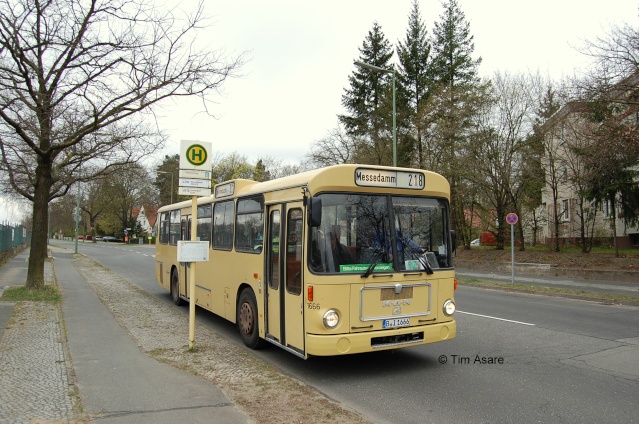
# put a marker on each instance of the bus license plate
(398, 322)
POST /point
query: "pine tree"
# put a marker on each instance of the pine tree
(453, 47)
(414, 67)
(260, 173)
(368, 99)
(166, 179)
(455, 101)
(612, 161)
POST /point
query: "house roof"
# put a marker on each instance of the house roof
(149, 211)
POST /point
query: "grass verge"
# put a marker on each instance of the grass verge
(49, 293)
(617, 298)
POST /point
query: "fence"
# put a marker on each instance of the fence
(12, 236)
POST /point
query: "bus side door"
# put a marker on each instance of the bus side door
(285, 312)
(185, 234)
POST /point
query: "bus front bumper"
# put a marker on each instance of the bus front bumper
(344, 344)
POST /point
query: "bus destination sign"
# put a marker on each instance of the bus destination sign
(224, 190)
(395, 179)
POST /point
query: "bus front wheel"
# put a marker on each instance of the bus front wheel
(247, 322)
(175, 288)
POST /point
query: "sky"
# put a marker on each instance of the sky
(299, 55)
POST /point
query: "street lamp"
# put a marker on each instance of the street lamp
(378, 69)
(165, 172)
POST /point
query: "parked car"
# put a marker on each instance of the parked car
(98, 238)
(111, 239)
(475, 242)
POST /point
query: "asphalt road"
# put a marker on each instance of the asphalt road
(516, 358)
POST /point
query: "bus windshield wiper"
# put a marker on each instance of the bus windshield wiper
(420, 256)
(374, 263)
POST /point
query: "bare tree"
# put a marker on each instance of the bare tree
(277, 168)
(94, 202)
(553, 164)
(577, 137)
(612, 156)
(231, 166)
(337, 147)
(615, 56)
(127, 191)
(501, 151)
(79, 82)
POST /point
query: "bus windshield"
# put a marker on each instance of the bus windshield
(380, 233)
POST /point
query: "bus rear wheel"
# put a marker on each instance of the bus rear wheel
(175, 288)
(247, 322)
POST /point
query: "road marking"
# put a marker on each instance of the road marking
(497, 318)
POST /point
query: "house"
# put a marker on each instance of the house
(569, 217)
(146, 218)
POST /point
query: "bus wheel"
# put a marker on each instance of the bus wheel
(247, 322)
(175, 289)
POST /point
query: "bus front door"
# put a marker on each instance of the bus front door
(285, 312)
(185, 234)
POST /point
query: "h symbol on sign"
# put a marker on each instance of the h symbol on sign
(196, 155)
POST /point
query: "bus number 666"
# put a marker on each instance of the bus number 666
(313, 305)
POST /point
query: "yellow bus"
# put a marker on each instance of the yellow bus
(339, 260)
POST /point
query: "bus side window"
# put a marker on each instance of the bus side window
(249, 224)
(164, 228)
(174, 227)
(204, 222)
(223, 213)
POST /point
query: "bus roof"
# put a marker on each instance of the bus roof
(345, 177)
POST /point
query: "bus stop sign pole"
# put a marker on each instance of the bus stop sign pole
(194, 156)
(512, 219)
(192, 275)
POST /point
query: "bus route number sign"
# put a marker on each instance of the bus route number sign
(395, 179)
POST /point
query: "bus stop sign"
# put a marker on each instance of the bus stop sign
(195, 155)
(512, 218)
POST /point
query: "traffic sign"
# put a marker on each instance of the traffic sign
(512, 218)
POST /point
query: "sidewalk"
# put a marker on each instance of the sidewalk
(559, 282)
(99, 374)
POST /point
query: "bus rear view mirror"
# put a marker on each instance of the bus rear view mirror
(316, 212)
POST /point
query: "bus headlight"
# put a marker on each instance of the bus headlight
(449, 307)
(331, 319)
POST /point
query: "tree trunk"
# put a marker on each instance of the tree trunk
(556, 219)
(38, 252)
(613, 224)
(520, 231)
